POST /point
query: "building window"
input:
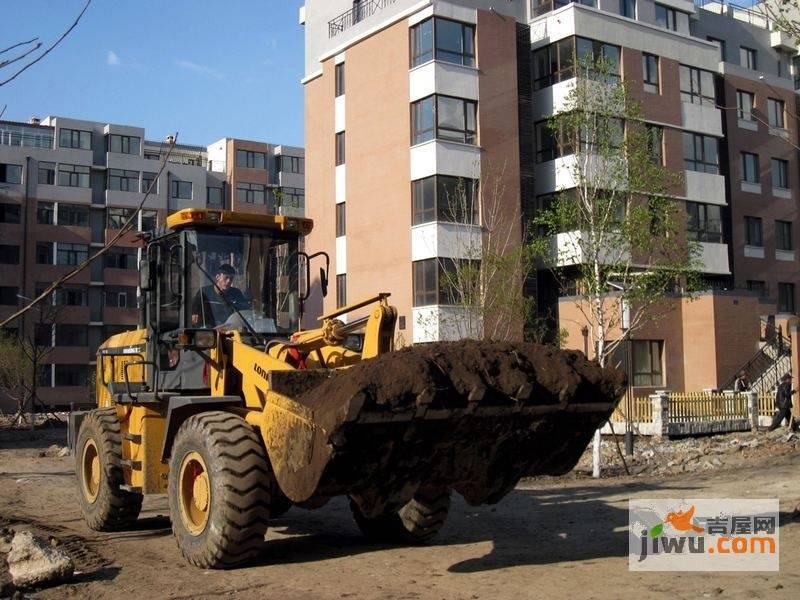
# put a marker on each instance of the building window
(647, 359)
(721, 47)
(444, 118)
(71, 254)
(759, 287)
(747, 57)
(43, 335)
(744, 103)
(10, 213)
(75, 138)
(752, 232)
(123, 181)
(292, 197)
(45, 213)
(341, 291)
(666, 17)
(434, 280)
(697, 86)
(9, 255)
(546, 143)
(124, 144)
(786, 297)
(73, 176)
(341, 220)
(116, 217)
(44, 253)
(292, 164)
(557, 62)
(121, 258)
(214, 197)
(655, 143)
(71, 375)
(73, 215)
(251, 160)
(147, 180)
(340, 154)
(72, 335)
(122, 297)
(251, 193)
(780, 173)
(444, 198)
(47, 173)
(339, 74)
(181, 190)
(8, 295)
(10, 173)
(627, 8)
(67, 296)
(783, 236)
(775, 113)
(443, 39)
(149, 220)
(704, 222)
(700, 153)
(650, 72)
(750, 170)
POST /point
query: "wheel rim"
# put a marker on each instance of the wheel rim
(90, 471)
(194, 493)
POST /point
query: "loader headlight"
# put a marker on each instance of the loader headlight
(196, 339)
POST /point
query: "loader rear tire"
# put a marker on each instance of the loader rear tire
(98, 469)
(415, 523)
(218, 490)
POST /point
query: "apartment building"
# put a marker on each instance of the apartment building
(66, 188)
(407, 98)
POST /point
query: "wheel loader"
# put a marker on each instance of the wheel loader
(219, 400)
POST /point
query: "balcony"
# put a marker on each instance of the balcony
(359, 12)
(714, 258)
(28, 136)
(705, 187)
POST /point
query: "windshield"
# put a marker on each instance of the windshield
(243, 281)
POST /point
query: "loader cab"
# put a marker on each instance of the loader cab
(218, 271)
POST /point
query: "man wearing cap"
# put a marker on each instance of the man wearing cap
(213, 304)
(783, 404)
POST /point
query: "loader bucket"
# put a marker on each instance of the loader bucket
(471, 416)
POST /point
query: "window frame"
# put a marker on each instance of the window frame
(469, 136)
(341, 148)
(740, 112)
(695, 92)
(341, 219)
(73, 176)
(421, 214)
(751, 168)
(12, 209)
(420, 53)
(251, 191)
(6, 171)
(72, 138)
(784, 238)
(702, 227)
(125, 142)
(74, 254)
(654, 375)
(651, 78)
(691, 164)
(776, 111)
(339, 82)
(123, 179)
(750, 56)
(779, 167)
(786, 297)
(670, 17)
(177, 187)
(48, 169)
(753, 232)
(341, 290)
(247, 159)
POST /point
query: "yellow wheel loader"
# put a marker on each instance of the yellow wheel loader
(219, 400)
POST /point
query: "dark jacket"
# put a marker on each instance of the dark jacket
(783, 395)
(213, 309)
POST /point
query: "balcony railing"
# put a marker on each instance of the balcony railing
(360, 11)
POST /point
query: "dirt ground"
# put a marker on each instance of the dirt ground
(553, 538)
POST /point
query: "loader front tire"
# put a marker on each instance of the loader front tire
(218, 490)
(415, 523)
(98, 469)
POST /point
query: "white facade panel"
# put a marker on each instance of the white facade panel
(338, 110)
(443, 323)
(705, 187)
(445, 158)
(340, 176)
(341, 255)
(443, 78)
(714, 258)
(445, 240)
(702, 119)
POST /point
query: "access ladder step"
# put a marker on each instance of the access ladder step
(132, 437)
(131, 488)
(134, 465)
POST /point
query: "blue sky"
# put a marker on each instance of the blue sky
(207, 69)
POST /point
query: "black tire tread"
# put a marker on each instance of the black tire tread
(114, 509)
(418, 521)
(239, 518)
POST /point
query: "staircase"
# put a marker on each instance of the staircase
(769, 364)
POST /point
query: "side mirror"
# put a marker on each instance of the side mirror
(147, 272)
(294, 307)
(323, 281)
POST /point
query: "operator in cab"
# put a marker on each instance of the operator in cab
(213, 304)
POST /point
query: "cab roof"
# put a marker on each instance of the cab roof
(188, 217)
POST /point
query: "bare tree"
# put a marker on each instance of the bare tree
(483, 286)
